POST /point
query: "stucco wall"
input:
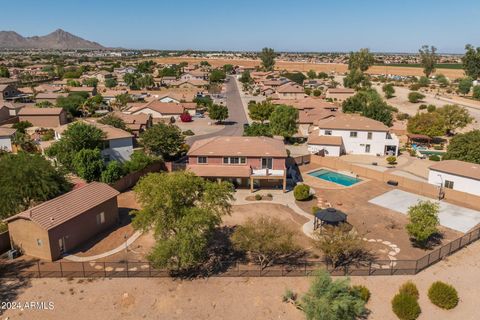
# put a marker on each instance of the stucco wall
(255, 163)
(463, 184)
(119, 149)
(330, 151)
(24, 235)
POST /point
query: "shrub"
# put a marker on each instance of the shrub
(438, 147)
(391, 160)
(315, 209)
(443, 295)
(415, 97)
(186, 117)
(289, 295)
(422, 107)
(317, 92)
(434, 157)
(415, 87)
(424, 221)
(258, 197)
(431, 108)
(301, 192)
(269, 195)
(409, 288)
(405, 306)
(362, 292)
(402, 116)
(188, 133)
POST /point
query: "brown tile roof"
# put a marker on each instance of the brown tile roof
(306, 103)
(312, 116)
(141, 118)
(6, 132)
(193, 82)
(352, 122)
(161, 107)
(61, 209)
(314, 138)
(111, 133)
(50, 95)
(290, 88)
(40, 111)
(459, 168)
(205, 170)
(81, 89)
(238, 146)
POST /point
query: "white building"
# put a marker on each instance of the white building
(6, 137)
(457, 175)
(352, 134)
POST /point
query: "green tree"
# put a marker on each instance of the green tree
(423, 222)
(163, 140)
(4, 73)
(73, 83)
(21, 126)
(26, 180)
(331, 300)
(471, 61)
(88, 164)
(90, 82)
(113, 121)
(369, 104)
(266, 240)
(311, 74)
(296, 77)
(146, 66)
(246, 78)
(476, 92)
(217, 75)
(25, 143)
(113, 172)
(228, 68)
(356, 79)
(182, 210)
(138, 161)
(283, 121)
(428, 59)
(257, 129)
(260, 111)
(389, 90)
(361, 60)
(44, 104)
(111, 83)
(71, 104)
(431, 124)
(268, 59)
(464, 85)
(92, 104)
(322, 75)
(218, 112)
(76, 137)
(415, 97)
(423, 81)
(442, 80)
(121, 101)
(204, 64)
(455, 116)
(464, 147)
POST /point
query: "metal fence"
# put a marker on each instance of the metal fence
(41, 269)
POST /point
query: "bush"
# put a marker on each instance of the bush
(289, 295)
(186, 117)
(415, 97)
(315, 209)
(301, 192)
(402, 116)
(443, 295)
(434, 157)
(415, 86)
(258, 197)
(391, 160)
(362, 292)
(409, 288)
(431, 108)
(423, 222)
(405, 306)
(188, 133)
(422, 107)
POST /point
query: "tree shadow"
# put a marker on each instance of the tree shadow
(14, 278)
(433, 241)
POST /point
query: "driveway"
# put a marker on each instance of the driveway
(451, 216)
(236, 114)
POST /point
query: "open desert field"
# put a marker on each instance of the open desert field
(325, 67)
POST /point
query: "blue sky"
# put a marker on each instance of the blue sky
(294, 25)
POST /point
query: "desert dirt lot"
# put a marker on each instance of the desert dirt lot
(233, 298)
(325, 67)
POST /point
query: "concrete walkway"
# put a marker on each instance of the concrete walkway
(130, 240)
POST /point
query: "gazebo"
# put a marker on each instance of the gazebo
(419, 138)
(330, 216)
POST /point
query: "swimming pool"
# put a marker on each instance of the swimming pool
(334, 177)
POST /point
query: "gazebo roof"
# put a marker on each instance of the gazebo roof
(413, 136)
(331, 215)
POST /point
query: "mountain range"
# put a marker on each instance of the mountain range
(59, 39)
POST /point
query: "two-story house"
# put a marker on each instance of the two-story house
(290, 90)
(352, 134)
(245, 161)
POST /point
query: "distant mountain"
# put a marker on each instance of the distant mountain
(58, 39)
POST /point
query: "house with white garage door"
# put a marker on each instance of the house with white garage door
(352, 134)
(457, 175)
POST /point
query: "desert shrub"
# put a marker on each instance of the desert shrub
(289, 295)
(301, 192)
(188, 133)
(391, 160)
(405, 306)
(412, 152)
(443, 295)
(409, 288)
(269, 195)
(422, 107)
(415, 97)
(315, 209)
(402, 116)
(258, 197)
(49, 135)
(415, 87)
(317, 92)
(362, 292)
(434, 157)
(431, 108)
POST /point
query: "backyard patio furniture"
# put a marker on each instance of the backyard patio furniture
(330, 216)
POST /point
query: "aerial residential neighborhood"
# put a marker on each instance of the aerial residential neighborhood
(306, 161)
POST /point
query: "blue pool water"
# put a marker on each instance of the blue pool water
(334, 177)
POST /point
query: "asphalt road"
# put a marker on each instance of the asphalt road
(236, 115)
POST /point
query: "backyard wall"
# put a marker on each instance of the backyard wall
(418, 187)
(4, 242)
(131, 179)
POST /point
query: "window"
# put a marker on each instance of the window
(267, 163)
(39, 242)
(234, 160)
(369, 136)
(101, 218)
(367, 148)
(328, 132)
(448, 184)
(201, 160)
(225, 160)
(353, 134)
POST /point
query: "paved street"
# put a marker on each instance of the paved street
(236, 112)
